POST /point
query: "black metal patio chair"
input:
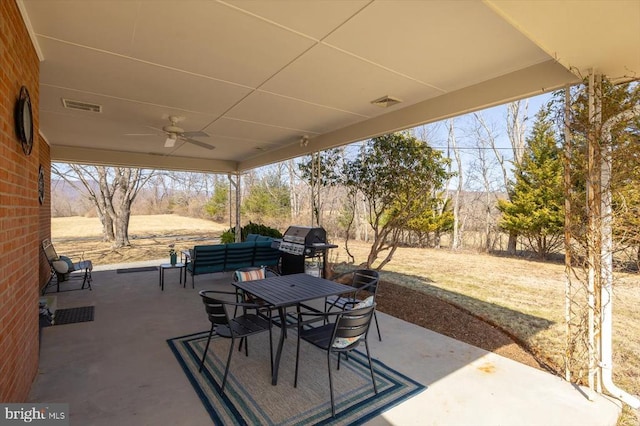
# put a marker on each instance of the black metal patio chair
(236, 327)
(63, 268)
(364, 281)
(344, 334)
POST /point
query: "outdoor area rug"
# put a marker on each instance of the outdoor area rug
(140, 269)
(73, 315)
(250, 399)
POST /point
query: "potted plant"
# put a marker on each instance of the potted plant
(173, 256)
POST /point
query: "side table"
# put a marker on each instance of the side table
(165, 266)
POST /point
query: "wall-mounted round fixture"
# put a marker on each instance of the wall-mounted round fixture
(24, 120)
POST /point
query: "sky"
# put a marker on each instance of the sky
(496, 119)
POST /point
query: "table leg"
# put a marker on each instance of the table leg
(283, 328)
(161, 278)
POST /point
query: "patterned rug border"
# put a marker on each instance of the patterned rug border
(382, 370)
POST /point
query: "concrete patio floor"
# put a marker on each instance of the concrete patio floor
(119, 370)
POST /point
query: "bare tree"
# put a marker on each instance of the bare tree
(294, 190)
(483, 170)
(112, 190)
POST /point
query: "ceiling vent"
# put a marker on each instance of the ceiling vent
(386, 102)
(82, 106)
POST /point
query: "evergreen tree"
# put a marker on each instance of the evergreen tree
(267, 199)
(536, 209)
(218, 204)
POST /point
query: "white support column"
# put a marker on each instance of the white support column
(606, 290)
(567, 233)
(236, 185)
(593, 242)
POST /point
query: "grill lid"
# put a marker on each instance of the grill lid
(305, 235)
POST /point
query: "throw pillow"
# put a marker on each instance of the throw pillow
(364, 304)
(69, 262)
(254, 274)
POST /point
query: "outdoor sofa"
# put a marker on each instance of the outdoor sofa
(256, 250)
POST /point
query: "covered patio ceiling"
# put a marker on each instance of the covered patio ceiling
(259, 76)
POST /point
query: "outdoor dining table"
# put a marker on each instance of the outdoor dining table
(290, 290)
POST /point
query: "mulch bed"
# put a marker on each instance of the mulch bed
(442, 317)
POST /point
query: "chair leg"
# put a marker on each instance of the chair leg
(271, 348)
(373, 379)
(333, 408)
(377, 326)
(206, 348)
(226, 370)
(87, 280)
(295, 380)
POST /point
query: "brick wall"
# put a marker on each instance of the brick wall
(21, 223)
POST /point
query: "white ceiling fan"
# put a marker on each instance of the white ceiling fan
(175, 133)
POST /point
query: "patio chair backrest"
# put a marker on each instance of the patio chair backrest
(215, 310)
(353, 324)
(366, 279)
(49, 251)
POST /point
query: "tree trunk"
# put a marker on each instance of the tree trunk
(456, 241)
(122, 228)
(512, 244)
(107, 226)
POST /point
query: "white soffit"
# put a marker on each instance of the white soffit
(599, 35)
(258, 75)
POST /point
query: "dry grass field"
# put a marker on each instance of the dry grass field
(525, 298)
(150, 236)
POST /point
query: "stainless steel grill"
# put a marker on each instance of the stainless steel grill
(300, 243)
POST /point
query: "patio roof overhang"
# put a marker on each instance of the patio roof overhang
(258, 76)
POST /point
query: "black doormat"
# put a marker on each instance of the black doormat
(72, 315)
(141, 269)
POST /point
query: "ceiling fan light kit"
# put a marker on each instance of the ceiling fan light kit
(170, 141)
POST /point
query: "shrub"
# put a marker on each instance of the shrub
(229, 236)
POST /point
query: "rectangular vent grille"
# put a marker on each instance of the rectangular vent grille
(82, 106)
(386, 101)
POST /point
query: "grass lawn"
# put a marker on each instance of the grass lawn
(523, 297)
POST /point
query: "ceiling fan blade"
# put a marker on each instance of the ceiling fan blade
(169, 142)
(196, 134)
(196, 142)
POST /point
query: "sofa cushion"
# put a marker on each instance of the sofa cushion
(207, 259)
(265, 255)
(239, 255)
